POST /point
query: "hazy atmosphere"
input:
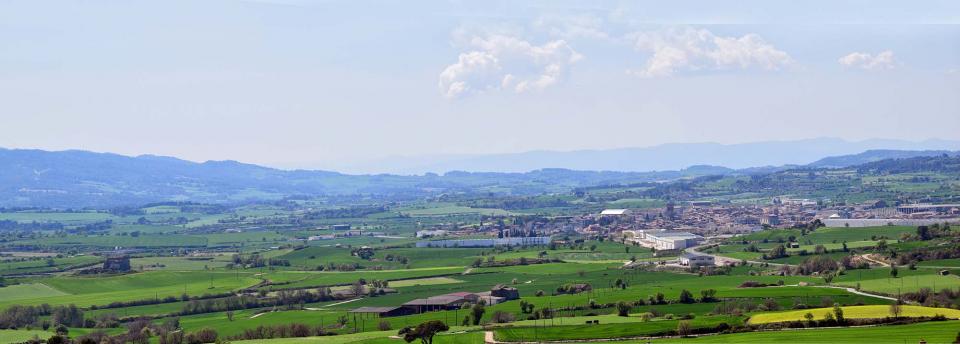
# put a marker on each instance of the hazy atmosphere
(344, 85)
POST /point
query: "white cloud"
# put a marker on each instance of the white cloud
(500, 61)
(883, 60)
(688, 49)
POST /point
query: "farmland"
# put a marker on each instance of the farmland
(856, 312)
(350, 271)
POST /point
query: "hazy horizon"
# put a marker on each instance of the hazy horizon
(761, 154)
(329, 85)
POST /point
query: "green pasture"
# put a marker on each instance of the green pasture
(931, 332)
(28, 291)
(42, 264)
(143, 240)
(606, 330)
(307, 279)
(76, 218)
(177, 263)
(100, 290)
(19, 336)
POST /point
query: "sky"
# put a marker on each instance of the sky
(326, 84)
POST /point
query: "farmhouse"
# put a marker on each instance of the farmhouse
(117, 264)
(506, 292)
(442, 302)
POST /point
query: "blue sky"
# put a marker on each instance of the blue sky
(324, 84)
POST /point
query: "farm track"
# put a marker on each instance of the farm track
(875, 261)
(724, 259)
(854, 291)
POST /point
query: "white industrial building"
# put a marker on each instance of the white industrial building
(431, 233)
(662, 239)
(517, 241)
(615, 212)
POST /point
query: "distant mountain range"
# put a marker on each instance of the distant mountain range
(75, 179)
(666, 157)
(874, 155)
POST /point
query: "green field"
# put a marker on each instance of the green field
(86, 291)
(907, 281)
(604, 330)
(931, 332)
(18, 336)
(28, 291)
(66, 218)
(178, 263)
(41, 265)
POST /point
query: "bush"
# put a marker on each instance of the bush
(205, 335)
(684, 328)
(623, 308)
(686, 297)
(384, 325)
(502, 317)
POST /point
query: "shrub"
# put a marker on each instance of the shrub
(684, 328)
(502, 317)
(623, 309)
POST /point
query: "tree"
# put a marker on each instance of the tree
(809, 317)
(660, 299)
(895, 309)
(501, 317)
(708, 295)
(684, 328)
(230, 315)
(838, 313)
(777, 252)
(357, 289)
(686, 297)
(424, 332)
(623, 309)
(893, 270)
(477, 311)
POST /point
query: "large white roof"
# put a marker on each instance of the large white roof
(614, 212)
(673, 235)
